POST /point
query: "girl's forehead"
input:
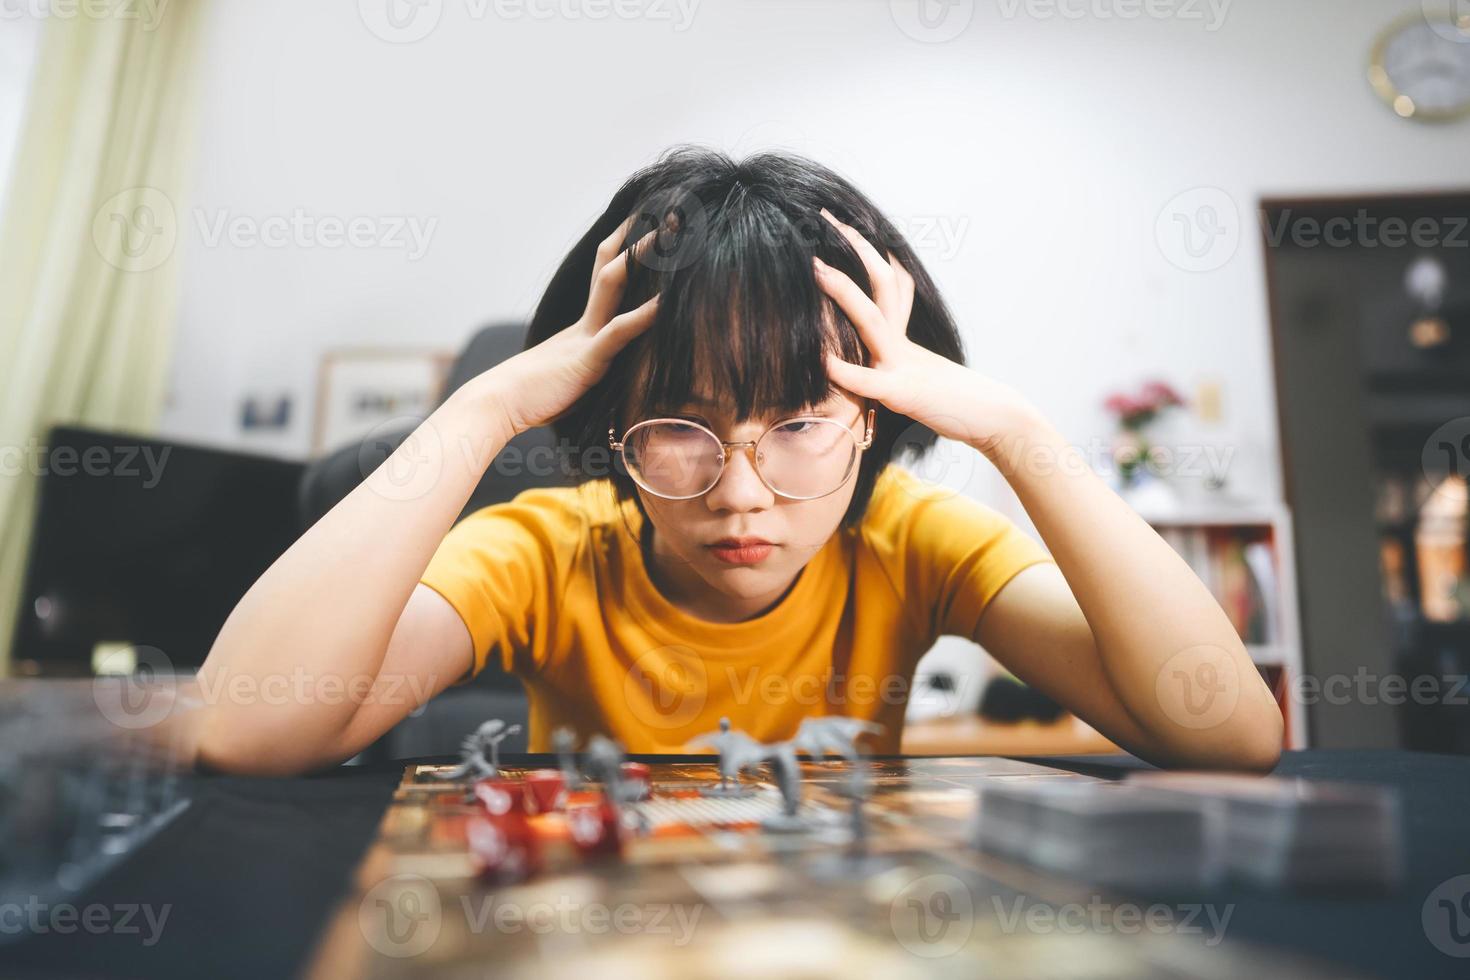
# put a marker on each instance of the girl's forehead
(723, 406)
(703, 391)
(699, 364)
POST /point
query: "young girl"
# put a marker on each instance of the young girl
(737, 350)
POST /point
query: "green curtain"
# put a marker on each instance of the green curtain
(88, 257)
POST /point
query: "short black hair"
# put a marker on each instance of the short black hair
(740, 309)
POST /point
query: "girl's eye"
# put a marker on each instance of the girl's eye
(800, 432)
(680, 430)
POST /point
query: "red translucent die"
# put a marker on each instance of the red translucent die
(544, 788)
(504, 849)
(594, 828)
(499, 797)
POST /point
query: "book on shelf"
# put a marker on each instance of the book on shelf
(1238, 566)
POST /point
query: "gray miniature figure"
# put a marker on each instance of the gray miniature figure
(838, 735)
(480, 751)
(605, 763)
(857, 825)
(833, 735)
(564, 740)
(738, 752)
(782, 756)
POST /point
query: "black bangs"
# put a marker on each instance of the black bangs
(741, 318)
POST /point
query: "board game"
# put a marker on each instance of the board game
(887, 883)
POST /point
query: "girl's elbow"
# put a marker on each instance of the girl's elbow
(253, 749)
(1261, 750)
(1250, 745)
(1253, 746)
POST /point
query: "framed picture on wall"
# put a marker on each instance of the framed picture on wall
(360, 389)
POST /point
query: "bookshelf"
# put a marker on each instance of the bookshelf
(1245, 557)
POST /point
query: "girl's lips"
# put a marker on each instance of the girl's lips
(741, 552)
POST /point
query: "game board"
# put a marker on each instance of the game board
(705, 891)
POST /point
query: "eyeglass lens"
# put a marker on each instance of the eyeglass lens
(802, 458)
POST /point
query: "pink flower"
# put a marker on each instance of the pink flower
(1135, 412)
(1159, 394)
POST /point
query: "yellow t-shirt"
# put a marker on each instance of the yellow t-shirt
(553, 583)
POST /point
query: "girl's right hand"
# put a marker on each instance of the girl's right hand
(541, 383)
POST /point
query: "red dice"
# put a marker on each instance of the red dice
(499, 797)
(594, 828)
(544, 790)
(504, 849)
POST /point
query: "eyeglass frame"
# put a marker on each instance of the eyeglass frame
(748, 445)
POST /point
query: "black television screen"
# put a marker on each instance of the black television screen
(145, 543)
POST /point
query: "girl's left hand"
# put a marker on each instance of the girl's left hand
(946, 396)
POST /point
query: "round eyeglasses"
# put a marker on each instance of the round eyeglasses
(799, 458)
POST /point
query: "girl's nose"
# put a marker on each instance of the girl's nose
(739, 487)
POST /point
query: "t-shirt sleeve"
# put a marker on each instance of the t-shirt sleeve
(955, 554)
(501, 569)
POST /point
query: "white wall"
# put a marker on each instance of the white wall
(1052, 143)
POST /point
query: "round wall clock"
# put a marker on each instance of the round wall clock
(1420, 66)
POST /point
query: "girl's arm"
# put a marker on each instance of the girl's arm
(1121, 631)
(337, 641)
(304, 649)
